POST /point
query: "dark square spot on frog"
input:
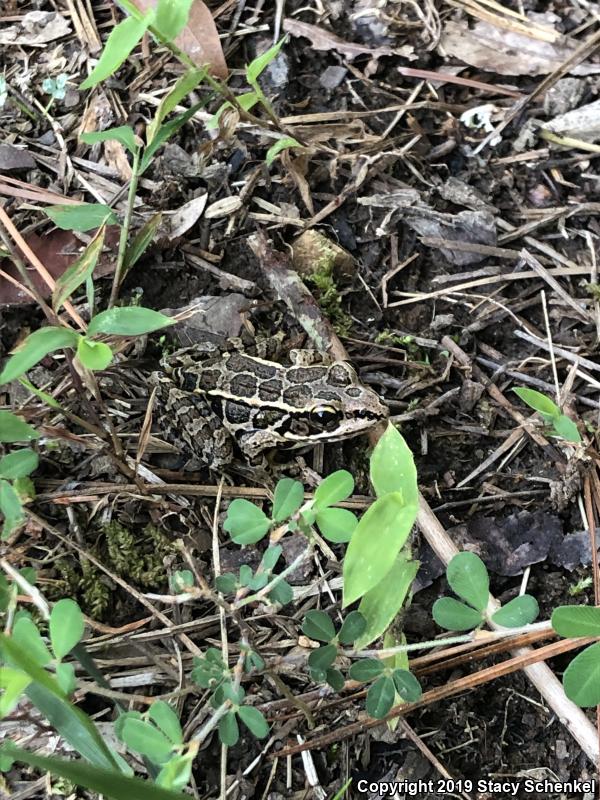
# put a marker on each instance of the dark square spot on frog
(267, 418)
(243, 385)
(306, 374)
(209, 379)
(339, 375)
(236, 413)
(297, 396)
(354, 391)
(241, 363)
(270, 391)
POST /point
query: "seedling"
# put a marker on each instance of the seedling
(468, 577)
(561, 425)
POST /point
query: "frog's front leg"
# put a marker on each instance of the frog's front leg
(188, 422)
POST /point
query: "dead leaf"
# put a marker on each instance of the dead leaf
(493, 49)
(199, 39)
(471, 227)
(209, 319)
(116, 157)
(509, 544)
(182, 220)
(98, 115)
(581, 123)
(36, 28)
(322, 39)
(56, 250)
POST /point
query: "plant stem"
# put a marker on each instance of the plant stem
(449, 640)
(118, 277)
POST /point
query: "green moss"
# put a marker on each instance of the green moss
(135, 557)
(329, 298)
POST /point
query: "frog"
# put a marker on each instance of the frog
(212, 400)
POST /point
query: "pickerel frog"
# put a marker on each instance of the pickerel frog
(208, 399)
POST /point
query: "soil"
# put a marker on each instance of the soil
(501, 730)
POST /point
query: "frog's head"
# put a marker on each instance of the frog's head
(340, 407)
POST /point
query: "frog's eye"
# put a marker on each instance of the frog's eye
(325, 417)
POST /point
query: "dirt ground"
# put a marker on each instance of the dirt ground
(465, 266)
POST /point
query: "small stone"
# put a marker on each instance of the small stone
(332, 77)
(15, 158)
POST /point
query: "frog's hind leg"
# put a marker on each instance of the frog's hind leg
(188, 423)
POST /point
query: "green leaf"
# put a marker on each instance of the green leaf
(574, 621)
(566, 428)
(521, 610)
(78, 273)
(27, 636)
(124, 135)
(14, 682)
(182, 580)
(455, 616)
(365, 670)
(271, 557)
(382, 531)
(323, 657)
(66, 627)
(65, 675)
(171, 17)
(11, 509)
(144, 738)
(43, 396)
(581, 678)
(468, 577)
(336, 524)
(281, 593)
(281, 144)
(185, 84)
(143, 238)
(81, 217)
(15, 429)
(94, 355)
(335, 679)
(18, 464)
(68, 720)
(226, 584)
(108, 782)
(318, 625)
(538, 401)
(254, 721)
(392, 467)
(229, 732)
(176, 773)
(35, 347)
(24, 488)
(287, 499)
(380, 605)
(407, 686)
(121, 41)
(260, 63)
(165, 718)
(352, 628)
(128, 321)
(246, 575)
(166, 131)
(336, 487)
(380, 697)
(246, 522)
